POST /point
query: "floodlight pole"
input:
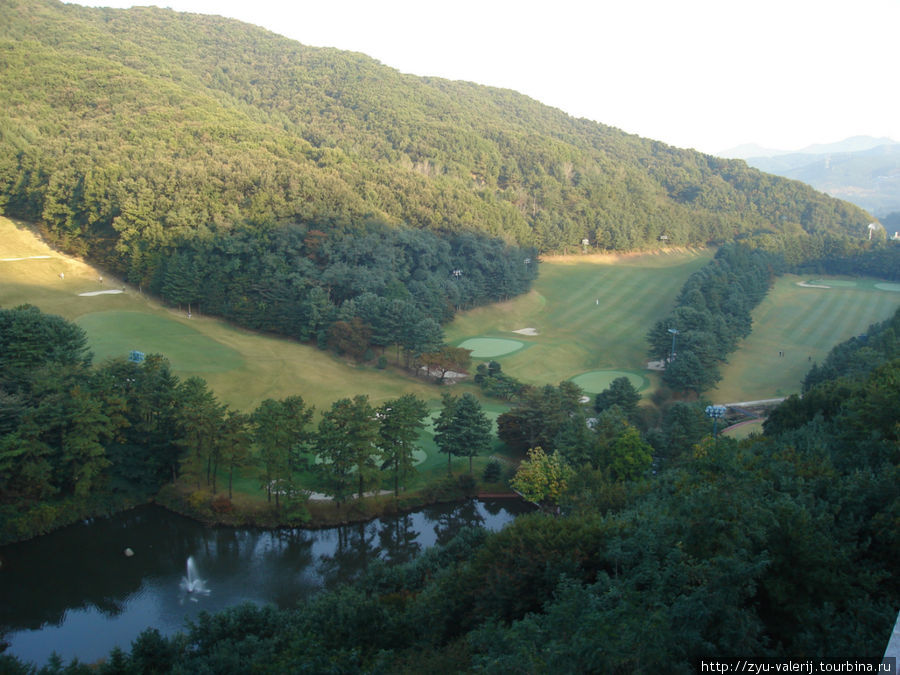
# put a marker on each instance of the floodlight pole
(456, 274)
(674, 332)
(715, 411)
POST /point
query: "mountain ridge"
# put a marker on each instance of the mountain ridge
(868, 177)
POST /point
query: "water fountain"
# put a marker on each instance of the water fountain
(191, 582)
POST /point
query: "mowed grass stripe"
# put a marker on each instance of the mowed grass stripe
(808, 324)
(581, 300)
(578, 333)
(637, 297)
(805, 324)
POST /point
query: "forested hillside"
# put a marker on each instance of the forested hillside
(125, 130)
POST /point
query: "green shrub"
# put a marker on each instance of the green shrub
(492, 472)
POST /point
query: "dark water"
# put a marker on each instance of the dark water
(76, 593)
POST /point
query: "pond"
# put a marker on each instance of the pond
(75, 591)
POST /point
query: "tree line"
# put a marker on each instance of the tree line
(834, 254)
(712, 313)
(76, 439)
(373, 289)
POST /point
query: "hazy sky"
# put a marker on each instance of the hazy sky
(704, 74)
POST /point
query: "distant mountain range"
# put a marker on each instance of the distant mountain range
(862, 169)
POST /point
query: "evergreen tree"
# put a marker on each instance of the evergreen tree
(462, 428)
(347, 443)
(401, 421)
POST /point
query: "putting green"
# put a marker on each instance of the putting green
(488, 348)
(597, 381)
(888, 287)
(114, 334)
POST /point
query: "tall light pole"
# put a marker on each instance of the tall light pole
(674, 332)
(456, 273)
(715, 411)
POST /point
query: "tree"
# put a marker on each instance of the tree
(181, 285)
(621, 393)
(31, 341)
(443, 427)
(462, 428)
(446, 359)
(539, 416)
(278, 428)
(629, 456)
(346, 441)
(401, 421)
(688, 373)
(542, 477)
(423, 336)
(684, 425)
(199, 417)
(236, 439)
(350, 337)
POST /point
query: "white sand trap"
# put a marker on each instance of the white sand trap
(807, 285)
(30, 257)
(110, 292)
(526, 331)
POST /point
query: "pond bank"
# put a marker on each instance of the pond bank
(218, 510)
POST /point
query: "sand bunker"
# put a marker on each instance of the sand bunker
(809, 285)
(110, 292)
(526, 331)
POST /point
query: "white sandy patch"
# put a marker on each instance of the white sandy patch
(101, 292)
(322, 497)
(526, 331)
(806, 285)
(30, 257)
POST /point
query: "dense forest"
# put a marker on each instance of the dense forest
(782, 546)
(353, 293)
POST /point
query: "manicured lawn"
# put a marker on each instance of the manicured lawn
(116, 333)
(744, 430)
(804, 323)
(590, 314)
(596, 381)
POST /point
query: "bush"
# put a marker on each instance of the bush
(467, 484)
(197, 500)
(492, 472)
(222, 504)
